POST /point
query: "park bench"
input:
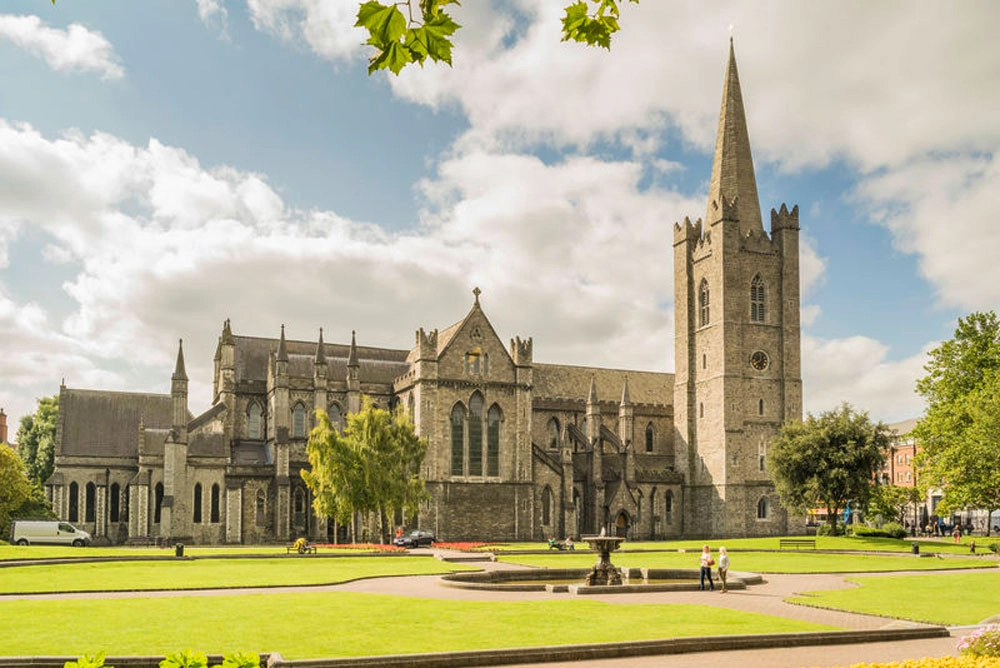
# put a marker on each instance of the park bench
(797, 543)
(308, 549)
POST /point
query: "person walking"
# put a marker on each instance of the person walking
(723, 567)
(706, 568)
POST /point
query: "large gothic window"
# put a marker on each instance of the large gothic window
(493, 441)
(476, 435)
(254, 422)
(458, 440)
(90, 507)
(336, 416)
(703, 303)
(299, 421)
(553, 434)
(757, 299)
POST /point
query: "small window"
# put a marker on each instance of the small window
(669, 509)
(74, 502)
(215, 503)
(703, 303)
(197, 503)
(114, 501)
(553, 434)
(701, 410)
(763, 508)
(757, 299)
(704, 361)
(650, 437)
(299, 421)
(760, 407)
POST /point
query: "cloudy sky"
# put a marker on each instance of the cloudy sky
(167, 164)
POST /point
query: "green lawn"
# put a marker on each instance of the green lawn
(12, 552)
(347, 624)
(954, 599)
(805, 561)
(207, 573)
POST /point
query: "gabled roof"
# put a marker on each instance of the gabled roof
(106, 424)
(448, 334)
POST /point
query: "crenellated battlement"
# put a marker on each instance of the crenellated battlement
(783, 219)
(687, 231)
(521, 351)
(426, 344)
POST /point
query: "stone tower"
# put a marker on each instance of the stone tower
(737, 352)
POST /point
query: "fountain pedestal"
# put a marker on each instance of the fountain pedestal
(603, 572)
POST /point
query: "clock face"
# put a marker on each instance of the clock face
(759, 360)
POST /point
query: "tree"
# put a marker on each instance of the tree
(372, 467)
(893, 502)
(958, 434)
(827, 461)
(15, 488)
(36, 439)
(425, 30)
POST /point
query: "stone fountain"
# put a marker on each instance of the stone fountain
(604, 572)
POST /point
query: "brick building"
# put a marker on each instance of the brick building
(518, 449)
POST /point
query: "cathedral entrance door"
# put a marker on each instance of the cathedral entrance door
(621, 524)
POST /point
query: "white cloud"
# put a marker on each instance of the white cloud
(857, 370)
(326, 26)
(74, 49)
(214, 12)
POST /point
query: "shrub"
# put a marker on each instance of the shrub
(994, 547)
(827, 530)
(887, 530)
(984, 641)
(95, 661)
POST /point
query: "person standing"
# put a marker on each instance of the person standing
(723, 567)
(706, 568)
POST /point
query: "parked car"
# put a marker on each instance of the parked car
(51, 532)
(417, 538)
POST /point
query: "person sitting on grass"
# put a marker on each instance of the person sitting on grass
(555, 545)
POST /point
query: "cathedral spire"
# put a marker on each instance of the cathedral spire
(179, 372)
(352, 356)
(592, 395)
(732, 168)
(626, 399)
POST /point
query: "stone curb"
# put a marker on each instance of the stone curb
(500, 657)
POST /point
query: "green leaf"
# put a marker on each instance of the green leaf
(241, 660)
(432, 39)
(385, 23)
(394, 57)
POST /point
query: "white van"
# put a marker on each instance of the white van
(50, 532)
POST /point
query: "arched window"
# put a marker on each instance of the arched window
(299, 421)
(336, 416)
(254, 422)
(410, 407)
(197, 503)
(650, 437)
(458, 439)
(90, 503)
(553, 434)
(158, 500)
(215, 504)
(114, 501)
(547, 506)
(299, 506)
(757, 299)
(763, 508)
(669, 514)
(261, 502)
(493, 441)
(74, 502)
(703, 303)
(476, 435)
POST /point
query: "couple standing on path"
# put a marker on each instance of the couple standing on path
(706, 568)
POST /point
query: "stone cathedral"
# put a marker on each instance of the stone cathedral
(518, 449)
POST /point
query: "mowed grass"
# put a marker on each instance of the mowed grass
(953, 599)
(211, 573)
(341, 624)
(806, 561)
(19, 552)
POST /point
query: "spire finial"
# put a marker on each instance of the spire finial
(320, 349)
(352, 356)
(179, 372)
(282, 348)
(475, 293)
(592, 395)
(626, 399)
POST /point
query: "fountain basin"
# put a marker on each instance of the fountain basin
(541, 579)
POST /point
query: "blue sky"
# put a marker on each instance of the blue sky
(167, 166)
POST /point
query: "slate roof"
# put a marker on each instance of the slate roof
(560, 381)
(106, 424)
(376, 365)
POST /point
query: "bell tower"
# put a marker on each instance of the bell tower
(736, 344)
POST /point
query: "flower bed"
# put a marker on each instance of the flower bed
(362, 547)
(464, 546)
(942, 662)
